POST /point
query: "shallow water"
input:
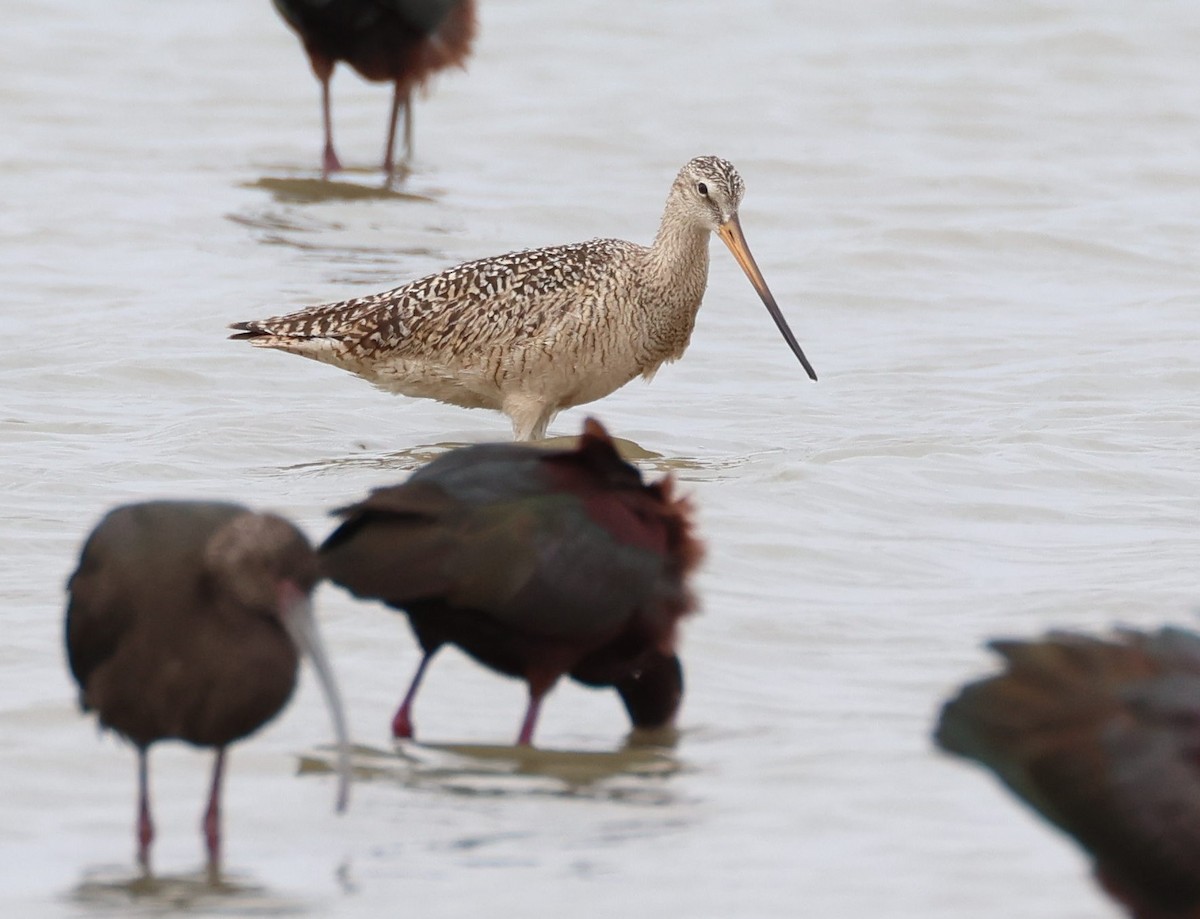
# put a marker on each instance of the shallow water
(981, 221)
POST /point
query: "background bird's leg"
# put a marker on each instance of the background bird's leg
(408, 130)
(400, 99)
(402, 726)
(323, 68)
(145, 827)
(212, 815)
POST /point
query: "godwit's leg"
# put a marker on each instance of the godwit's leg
(530, 416)
(402, 726)
(212, 815)
(145, 826)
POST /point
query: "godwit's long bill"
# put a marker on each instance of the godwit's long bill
(530, 333)
(731, 234)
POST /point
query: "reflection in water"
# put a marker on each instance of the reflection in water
(634, 774)
(277, 228)
(117, 892)
(401, 461)
(686, 468)
(315, 191)
(700, 469)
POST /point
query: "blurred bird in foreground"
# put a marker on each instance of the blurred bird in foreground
(537, 563)
(1101, 736)
(186, 621)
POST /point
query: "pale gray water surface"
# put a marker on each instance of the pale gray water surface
(981, 220)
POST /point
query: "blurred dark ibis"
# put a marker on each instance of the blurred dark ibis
(186, 621)
(1101, 736)
(537, 563)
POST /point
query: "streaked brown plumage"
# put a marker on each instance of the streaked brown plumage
(403, 42)
(538, 564)
(534, 332)
(1101, 736)
(185, 622)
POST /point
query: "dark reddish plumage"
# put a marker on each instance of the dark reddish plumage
(403, 42)
(1102, 737)
(536, 563)
(186, 621)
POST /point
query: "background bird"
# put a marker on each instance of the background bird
(1102, 738)
(403, 42)
(185, 622)
(531, 333)
(537, 564)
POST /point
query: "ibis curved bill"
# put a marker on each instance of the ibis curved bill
(301, 625)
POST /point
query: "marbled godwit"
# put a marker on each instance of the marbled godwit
(184, 623)
(537, 564)
(399, 41)
(1099, 736)
(530, 333)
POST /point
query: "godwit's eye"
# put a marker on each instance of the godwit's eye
(703, 189)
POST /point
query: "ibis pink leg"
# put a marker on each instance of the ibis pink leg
(400, 100)
(145, 828)
(329, 159)
(525, 738)
(212, 816)
(540, 682)
(402, 726)
(408, 129)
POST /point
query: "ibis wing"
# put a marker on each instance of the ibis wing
(423, 15)
(346, 20)
(537, 564)
(96, 621)
(392, 545)
(544, 567)
(128, 563)
(1103, 739)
